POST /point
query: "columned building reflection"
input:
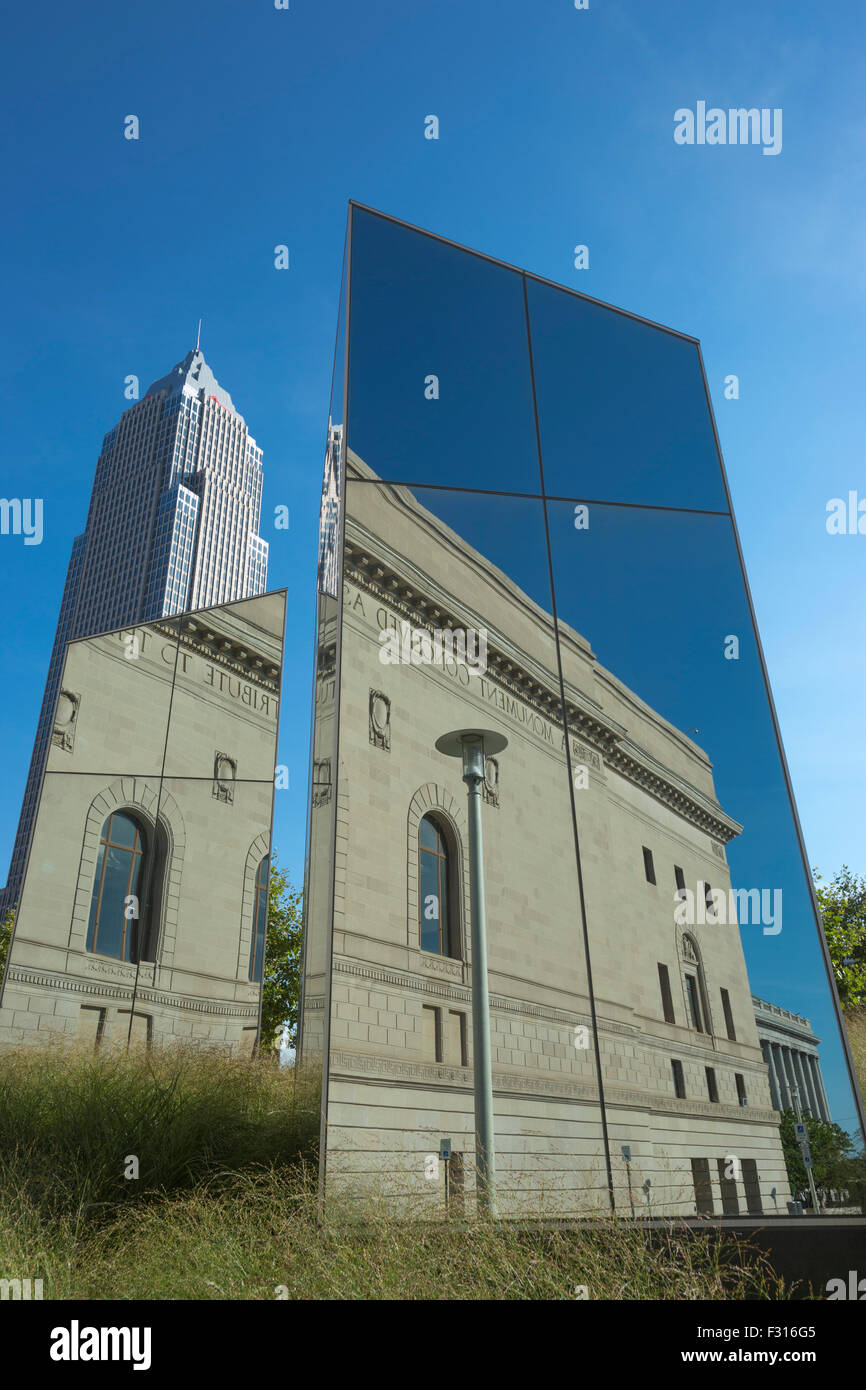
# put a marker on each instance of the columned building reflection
(790, 1050)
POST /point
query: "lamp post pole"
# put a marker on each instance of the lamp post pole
(473, 776)
(804, 1147)
(473, 746)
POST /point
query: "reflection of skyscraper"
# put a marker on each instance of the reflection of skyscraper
(173, 524)
(329, 516)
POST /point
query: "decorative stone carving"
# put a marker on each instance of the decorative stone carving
(380, 720)
(717, 849)
(585, 755)
(688, 950)
(490, 786)
(441, 965)
(65, 717)
(225, 771)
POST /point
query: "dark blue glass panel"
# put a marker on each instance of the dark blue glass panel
(623, 413)
(439, 379)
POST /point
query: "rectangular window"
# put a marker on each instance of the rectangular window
(703, 1186)
(753, 1187)
(142, 1028)
(455, 1046)
(728, 1186)
(648, 866)
(694, 1002)
(680, 877)
(708, 901)
(712, 1088)
(729, 1017)
(91, 1024)
(741, 1088)
(431, 1033)
(679, 1080)
(667, 1000)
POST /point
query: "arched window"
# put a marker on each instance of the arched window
(697, 1005)
(434, 890)
(260, 920)
(115, 908)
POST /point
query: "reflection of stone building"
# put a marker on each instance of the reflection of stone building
(790, 1050)
(685, 1085)
(146, 886)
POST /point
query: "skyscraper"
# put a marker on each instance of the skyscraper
(329, 513)
(173, 525)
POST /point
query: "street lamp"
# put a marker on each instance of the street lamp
(473, 746)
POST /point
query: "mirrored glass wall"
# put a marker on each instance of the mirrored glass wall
(562, 944)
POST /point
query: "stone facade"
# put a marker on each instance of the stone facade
(395, 1021)
(171, 726)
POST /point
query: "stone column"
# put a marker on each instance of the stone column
(819, 1087)
(791, 1074)
(788, 1054)
(800, 1076)
(775, 1098)
(782, 1075)
(805, 1059)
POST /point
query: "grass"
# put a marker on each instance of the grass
(70, 1120)
(256, 1237)
(226, 1206)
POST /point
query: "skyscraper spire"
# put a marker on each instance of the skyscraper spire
(179, 480)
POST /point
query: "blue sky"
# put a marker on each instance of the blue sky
(556, 128)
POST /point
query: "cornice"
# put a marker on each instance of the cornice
(201, 637)
(425, 604)
(70, 984)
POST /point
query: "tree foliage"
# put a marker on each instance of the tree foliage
(836, 1162)
(843, 908)
(282, 972)
(6, 936)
